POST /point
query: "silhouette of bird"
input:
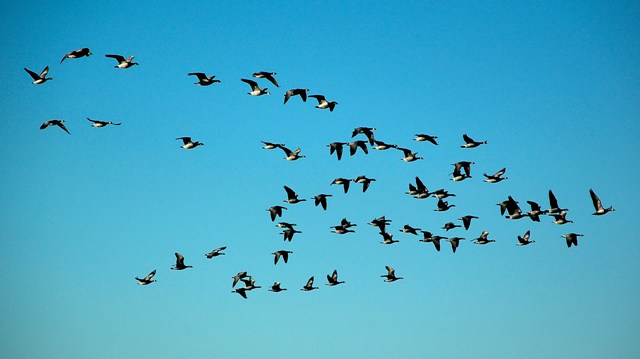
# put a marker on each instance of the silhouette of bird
(255, 89)
(323, 103)
(420, 191)
(203, 79)
(292, 196)
(180, 262)
(337, 148)
(470, 143)
(513, 209)
(483, 239)
(249, 283)
(122, 62)
(147, 280)
(281, 253)
(409, 229)
(496, 177)
(450, 225)
(59, 123)
(381, 223)
(342, 181)
(309, 286)
(321, 199)
(367, 131)
(237, 277)
(458, 167)
(455, 242)
(188, 144)
(41, 78)
(216, 252)
(597, 204)
(524, 240)
(535, 212)
(288, 234)
(271, 145)
(276, 288)
(241, 291)
(553, 204)
(275, 211)
(266, 75)
(409, 156)
(381, 146)
(292, 155)
(443, 206)
(391, 275)
(441, 193)
(572, 238)
(421, 137)
(332, 280)
(387, 238)
(98, 124)
(466, 220)
(353, 147)
(560, 218)
(77, 54)
(366, 182)
(429, 237)
(296, 92)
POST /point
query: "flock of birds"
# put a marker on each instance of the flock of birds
(509, 208)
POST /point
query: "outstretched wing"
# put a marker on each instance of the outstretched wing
(118, 58)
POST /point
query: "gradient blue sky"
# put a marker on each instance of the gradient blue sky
(554, 89)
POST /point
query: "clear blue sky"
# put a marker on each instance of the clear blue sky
(553, 88)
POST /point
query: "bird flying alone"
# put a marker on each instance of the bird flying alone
(122, 62)
(597, 204)
(41, 78)
(180, 262)
(147, 280)
(470, 143)
(188, 144)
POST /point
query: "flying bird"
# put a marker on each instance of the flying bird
(391, 275)
(292, 155)
(409, 229)
(332, 280)
(524, 240)
(281, 253)
(122, 62)
(336, 147)
(466, 220)
(597, 204)
(271, 145)
(292, 196)
(203, 79)
(381, 146)
(353, 147)
(553, 204)
(381, 223)
(367, 131)
(275, 211)
(455, 242)
(458, 167)
(409, 156)
(237, 277)
(180, 262)
(309, 286)
(387, 238)
(421, 137)
(188, 144)
(147, 280)
(366, 182)
(98, 124)
(323, 103)
(560, 218)
(321, 199)
(266, 75)
(572, 238)
(77, 54)
(429, 237)
(443, 206)
(496, 177)
(342, 181)
(216, 252)
(535, 212)
(255, 89)
(41, 78)
(296, 92)
(276, 288)
(59, 123)
(483, 239)
(470, 143)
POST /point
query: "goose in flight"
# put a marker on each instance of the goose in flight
(387, 238)
(553, 204)
(275, 211)
(458, 167)
(266, 75)
(237, 277)
(381, 146)
(216, 252)
(450, 225)
(41, 78)
(466, 221)
(188, 144)
(342, 181)
(292, 155)
(455, 242)
(180, 262)
(597, 204)
(409, 229)
(496, 177)
(241, 291)
(276, 288)
(203, 79)
(98, 124)
(391, 275)
(409, 156)
(271, 145)
(535, 212)
(381, 223)
(353, 147)
(560, 218)
(367, 131)
(366, 182)
(288, 234)
(443, 206)
(483, 239)
(429, 237)
(421, 137)
(572, 238)
(470, 143)
(323, 103)
(255, 89)
(59, 123)
(281, 253)
(296, 92)
(147, 280)
(513, 209)
(524, 240)
(332, 280)
(292, 196)
(77, 54)
(309, 286)
(336, 147)
(122, 62)
(321, 199)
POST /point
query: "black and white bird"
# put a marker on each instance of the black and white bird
(289, 233)
(470, 143)
(296, 92)
(419, 191)
(271, 145)
(255, 89)
(450, 225)
(292, 196)
(353, 147)
(237, 277)
(409, 229)
(336, 147)
(266, 75)
(122, 62)
(381, 145)
(98, 124)
(483, 239)
(381, 223)
(364, 181)
(391, 275)
(332, 280)
(458, 167)
(323, 103)
(344, 182)
(275, 211)
(553, 204)
(455, 242)
(429, 237)
(216, 252)
(76, 54)
(367, 131)
(496, 177)
(466, 220)
(276, 287)
(39, 78)
(597, 204)
(513, 209)
(147, 280)
(561, 218)
(309, 286)
(292, 155)
(421, 137)
(571, 238)
(524, 240)
(180, 262)
(387, 238)
(281, 253)
(535, 212)
(241, 291)
(188, 143)
(59, 123)
(409, 156)
(443, 206)
(203, 79)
